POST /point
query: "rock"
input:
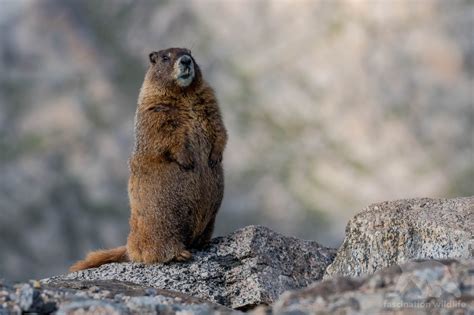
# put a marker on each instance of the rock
(25, 297)
(416, 287)
(140, 305)
(393, 232)
(101, 297)
(251, 266)
(90, 307)
(106, 289)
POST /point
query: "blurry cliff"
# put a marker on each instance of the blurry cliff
(330, 105)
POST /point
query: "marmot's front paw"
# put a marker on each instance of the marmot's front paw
(185, 160)
(214, 158)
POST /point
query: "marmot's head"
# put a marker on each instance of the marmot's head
(174, 68)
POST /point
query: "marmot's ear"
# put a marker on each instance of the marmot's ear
(153, 57)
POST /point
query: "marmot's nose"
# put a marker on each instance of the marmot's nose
(185, 60)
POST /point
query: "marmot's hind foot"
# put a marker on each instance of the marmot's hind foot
(185, 255)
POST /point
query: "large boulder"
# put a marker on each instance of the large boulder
(389, 233)
(251, 266)
(416, 287)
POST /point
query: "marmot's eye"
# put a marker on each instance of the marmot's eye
(165, 58)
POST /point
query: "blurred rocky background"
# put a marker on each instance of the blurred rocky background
(330, 106)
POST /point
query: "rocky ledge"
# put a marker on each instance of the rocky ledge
(376, 270)
(249, 267)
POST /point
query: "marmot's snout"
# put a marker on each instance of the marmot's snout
(184, 70)
(185, 60)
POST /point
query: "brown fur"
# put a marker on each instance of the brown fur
(97, 258)
(176, 180)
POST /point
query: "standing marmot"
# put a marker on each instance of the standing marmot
(176, 179)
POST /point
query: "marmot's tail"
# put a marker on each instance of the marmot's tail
(100, 257)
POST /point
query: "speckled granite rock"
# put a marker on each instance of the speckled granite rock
(251, 266)
(100, 297)
(393, 232)
(417, 287)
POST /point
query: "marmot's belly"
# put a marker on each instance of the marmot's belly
(186, 199)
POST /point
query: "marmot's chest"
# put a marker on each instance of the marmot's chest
(193, 122)
(198, 130)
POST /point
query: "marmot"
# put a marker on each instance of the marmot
(176, 180)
